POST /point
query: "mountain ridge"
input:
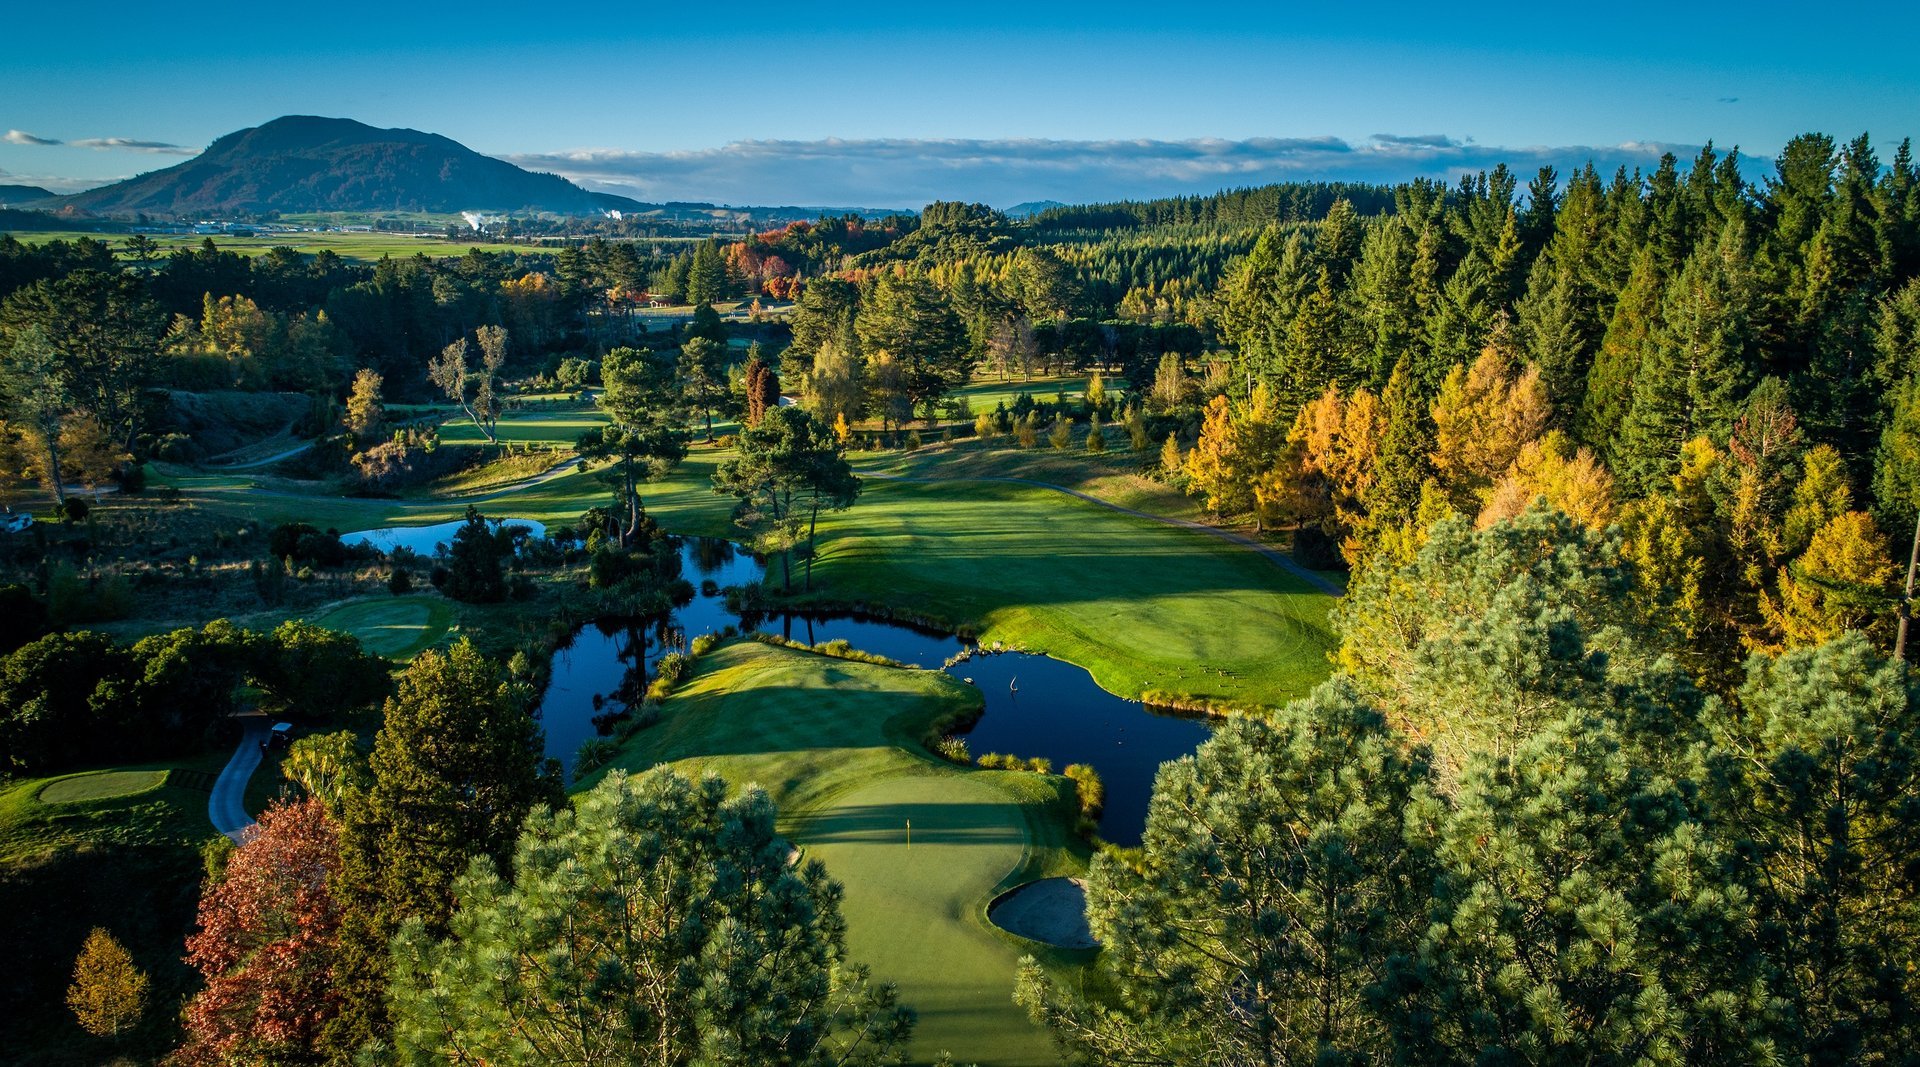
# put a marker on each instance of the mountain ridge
(300, 163)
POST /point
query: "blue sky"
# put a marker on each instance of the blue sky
(895, 104)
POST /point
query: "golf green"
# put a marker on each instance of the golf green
(394, 627)
(100, 785)
(916, 906)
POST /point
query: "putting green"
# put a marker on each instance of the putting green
(916, 911)
(100, 785)
(394, 627)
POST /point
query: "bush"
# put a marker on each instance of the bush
(1061, 435)
(993, 760)
(399, 581)
(953, 750)
(595, 753)
(1040, 765)
(1089, 788)
(704, 644)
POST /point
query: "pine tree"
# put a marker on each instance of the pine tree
(658, 921)
(1584, 913)
(1610, 382)
(455, 767)
(109, 994)
(1274, 877)
(1403, 463)
(1816, 776)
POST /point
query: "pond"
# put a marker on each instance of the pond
(1035, 706)
(426, 540)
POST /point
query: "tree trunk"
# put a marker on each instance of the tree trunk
(53, 469)
(813, 523)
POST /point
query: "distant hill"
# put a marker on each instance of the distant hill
(305, 163)
(21, 194)
(1031, 208)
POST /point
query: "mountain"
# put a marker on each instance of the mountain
(22, 194)
(1031, 208)
(305, 163)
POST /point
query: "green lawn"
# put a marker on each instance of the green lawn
(394, 627)
(100, 785)
(987, 390)
(556, 427)
(835, 743)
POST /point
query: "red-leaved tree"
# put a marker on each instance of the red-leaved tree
(267, 943)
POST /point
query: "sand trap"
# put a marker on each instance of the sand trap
(1053, 910)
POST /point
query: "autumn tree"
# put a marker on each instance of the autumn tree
(657, 921)
(762, 389)
(1551, 469)
(109, 993)
(267, 944)
(366, 416)
(1482, 419)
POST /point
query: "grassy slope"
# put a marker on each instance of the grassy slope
(396, 628)
(834, 742)
(128, 863)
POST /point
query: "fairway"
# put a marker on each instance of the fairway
(101, 785)
(395, 627)
(1141, 605)
(835, 743)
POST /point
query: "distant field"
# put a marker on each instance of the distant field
(363, 246)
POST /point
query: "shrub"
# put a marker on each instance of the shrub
(1040, 765)
(399, 581)
(954, 750)
(1061, 435)
(1096, 438)
(914, 441)
(983, 427)
(595, 753)
(995, 760)
(1089, 788)
(704, 644)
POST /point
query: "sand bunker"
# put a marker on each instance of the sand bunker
(1053, 910)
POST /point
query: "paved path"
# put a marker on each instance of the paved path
(1275, 556)
(227, 807)
(269, 461)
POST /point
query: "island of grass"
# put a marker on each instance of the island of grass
(837, 744)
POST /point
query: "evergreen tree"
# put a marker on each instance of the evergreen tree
(1274, 878)
(455, 767)
(1403, 464)
(657, 922)
(1583, 914)
(1818, 777)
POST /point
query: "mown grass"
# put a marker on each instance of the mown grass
(100, 785)
(836, 743)
(397, 627)
(1139, 604)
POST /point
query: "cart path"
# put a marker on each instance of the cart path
(227, 804)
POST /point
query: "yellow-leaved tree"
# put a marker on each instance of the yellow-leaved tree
(109, 993)
(1843, 581)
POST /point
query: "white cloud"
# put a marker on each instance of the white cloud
(125, 144)
(902, 172)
